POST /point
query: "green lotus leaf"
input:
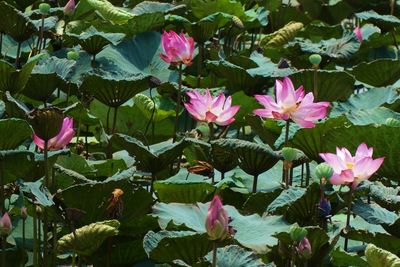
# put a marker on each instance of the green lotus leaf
(15, 23)
(223, 159)
(254, 158)
(114, 91)
(21, 131)
(110, 12)
(204, 8)
(81, 113)
(184, 187)
(380, 257)
(382, 21)
(88, 239)
(94, 200)
(342, 258)
(154, 158)
(167, 246)
(93, 41)
(12, 79)
(248, 228)
(283, 35)
(297, 204)
(373, 213)
(383, 240)
(235, 256)
(331, 85)
(387, 197)
(381, 72)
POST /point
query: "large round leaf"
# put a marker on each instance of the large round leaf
(381, 72)
(13, 133)
(113, 91)
(331, 85)
(235, 256)
(14, 80)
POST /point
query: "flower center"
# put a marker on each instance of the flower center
(349, 165)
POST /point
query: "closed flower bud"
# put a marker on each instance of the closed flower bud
(44, 8)
(323, 170)
(217, 221)
(5, 225)
(315, 59)
(289, 153)
(46, 122)
(69, 8)
(324, 208)
(24, 213)
(304, 249)
(297, 233)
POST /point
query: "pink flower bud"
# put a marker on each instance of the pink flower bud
(61, 140)
(304, 249)
(69, 7)
(177, 48)
(217, 221)
(5, 225)
(358, 33)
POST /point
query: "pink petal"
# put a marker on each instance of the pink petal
(337, 164)
(39, 142)
(210, 117)
(357, 32)
(265, 113)
(285, 95)
(226, 117)
(279, 116)
(345, 177)
(299, 94)
(193, 112)
(364, 151)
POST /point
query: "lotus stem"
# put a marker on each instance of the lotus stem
(93, 63)
(211, 127)
(3, 251)
(2, 194)
(178, 103)
(73, 264)
(1, 43)
(23, 234)
(214, 258)
(17, 64)
(346, 240)
(307, 174)
(46, 219)
(54, 256)
(153, 178)
(315, 78)
(287, 133)
(86, 142)
(199, 64)
(35, 239)
(39, 48)
(255, 183)
(222, 176)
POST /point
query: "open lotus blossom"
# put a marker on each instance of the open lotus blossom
(5, 225)
(211, 109)
(177, 48)
(217, 221)
(291, 104)
(61, 140)
(349, 170)
(69, 8)
(358, 33)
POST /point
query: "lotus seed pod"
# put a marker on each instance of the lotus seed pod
(73, 55)
(237, 22)
(315, 59)
(44, 8)
(297, 233)
(289, 153)
(323, 170)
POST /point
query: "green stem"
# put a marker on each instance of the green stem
(199, 64)
(287, 133)
(178, 104)
(1, 188)
(73, 264)
(211, 127)
(315, 82)
(3, 251)
(86, 142)
(214, 258)
(35, 239)
(17, 65)
(39, 48)
(46, 219)
(255, 183)
(346, 240)
(153, 178)
(114, 120)
(23, 233)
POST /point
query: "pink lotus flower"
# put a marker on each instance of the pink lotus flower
(61, 139)
(177, 48)
(349, 170)
(211, 109)
(291, 104)
(304, 249)
(217, 221)
(358, 33)
(69, 8)
(5, 225)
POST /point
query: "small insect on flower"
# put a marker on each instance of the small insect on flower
(115, 204)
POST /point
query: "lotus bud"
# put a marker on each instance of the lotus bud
(323, 171)
(392, 122)
(44, 8)
(358, 33)
(297, 233)
(46, 122)
(217, 221)
(24, 213)
(304, 249)
(324, 208)
(315, 59)
(69, 8)
(73, 55)
(289, 153)
(5, 225)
